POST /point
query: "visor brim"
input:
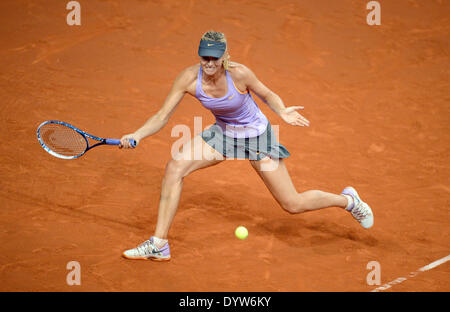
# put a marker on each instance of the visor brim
(210, 52)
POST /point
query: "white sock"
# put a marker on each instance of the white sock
(350, 202)
(159, 242)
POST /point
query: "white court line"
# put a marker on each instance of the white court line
(412, 274)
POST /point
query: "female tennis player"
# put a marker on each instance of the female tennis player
(241, 131)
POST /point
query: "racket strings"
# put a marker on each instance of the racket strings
(63, 140)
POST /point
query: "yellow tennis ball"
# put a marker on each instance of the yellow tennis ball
(241, 232)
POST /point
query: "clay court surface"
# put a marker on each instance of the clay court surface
(377, 98)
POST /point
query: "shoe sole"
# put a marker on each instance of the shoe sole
(145, 258)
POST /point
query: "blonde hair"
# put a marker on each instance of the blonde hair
(217, 36)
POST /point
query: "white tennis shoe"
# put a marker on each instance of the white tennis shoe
(148, 251)
(359, 210)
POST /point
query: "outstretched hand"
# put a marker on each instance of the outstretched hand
(292, 117)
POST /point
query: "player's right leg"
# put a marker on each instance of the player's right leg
(180, 166)
(195, 155)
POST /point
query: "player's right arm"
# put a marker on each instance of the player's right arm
(156, 122)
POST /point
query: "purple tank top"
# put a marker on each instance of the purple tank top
(236, 113)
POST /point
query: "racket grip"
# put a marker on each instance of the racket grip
(117, 142)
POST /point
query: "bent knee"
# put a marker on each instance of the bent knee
(294, 205)
(177, 169)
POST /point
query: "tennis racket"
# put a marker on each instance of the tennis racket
(68, 142)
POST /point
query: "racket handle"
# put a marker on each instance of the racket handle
(117, 142)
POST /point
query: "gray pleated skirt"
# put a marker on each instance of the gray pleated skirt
(255, 148)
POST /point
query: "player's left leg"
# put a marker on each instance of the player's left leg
(278, 181)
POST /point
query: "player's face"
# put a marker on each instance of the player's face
(211, 64)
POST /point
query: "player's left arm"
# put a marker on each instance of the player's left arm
(288, 114)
